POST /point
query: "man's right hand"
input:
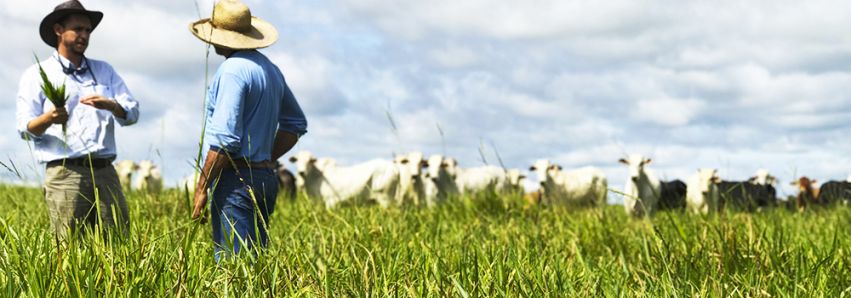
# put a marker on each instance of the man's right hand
(41, 123)
(58, 116)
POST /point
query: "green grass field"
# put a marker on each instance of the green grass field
(495, 247)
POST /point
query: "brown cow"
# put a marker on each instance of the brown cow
(807, 192)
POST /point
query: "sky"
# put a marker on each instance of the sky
(731, 85)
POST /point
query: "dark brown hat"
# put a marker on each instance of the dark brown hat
(63, 10)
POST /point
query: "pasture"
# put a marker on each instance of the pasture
(482, 246)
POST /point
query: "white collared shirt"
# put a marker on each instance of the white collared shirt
(89, 130)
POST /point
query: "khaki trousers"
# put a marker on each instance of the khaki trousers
(76, 200)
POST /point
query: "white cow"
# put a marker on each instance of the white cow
(642, 190)
(148, 177)
(439, 183)
(515, 180)
(702, 193)
(762, 177)
(481, 179)
(376, 180)
(849, 179)
(411, 187)
(188, 182)
(125, 169)
(580, 187)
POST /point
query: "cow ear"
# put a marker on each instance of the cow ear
(293, 159)
(623, 161)
(752, 179)
(560, 168)
(521, 177)
(424, 164)
(532, 169)
(313, 160)
(404, 161)
(648, 161)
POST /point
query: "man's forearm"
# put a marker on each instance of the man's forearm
(118, 111)
(39, 125)
(284, 141)
(213, 166)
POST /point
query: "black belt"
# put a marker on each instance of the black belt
(95, 163)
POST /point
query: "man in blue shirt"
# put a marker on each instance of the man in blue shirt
(81, 186)
(252, 120)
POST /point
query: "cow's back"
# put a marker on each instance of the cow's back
(835, 191)
(672, 195)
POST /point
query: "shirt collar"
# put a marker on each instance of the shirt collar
(64, 61)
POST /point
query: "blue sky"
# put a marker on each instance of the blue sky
(732, 85)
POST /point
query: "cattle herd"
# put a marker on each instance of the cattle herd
(411, 179)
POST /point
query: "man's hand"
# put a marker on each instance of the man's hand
(200, 203)
(58, 116)
(102, 103)
(40, 124)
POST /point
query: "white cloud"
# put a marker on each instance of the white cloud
(733, 85)
(669, 111)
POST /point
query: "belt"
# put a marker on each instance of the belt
(243, 164)
(95, 163)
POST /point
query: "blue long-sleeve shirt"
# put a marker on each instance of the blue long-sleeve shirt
(90, 132)
(248, 102)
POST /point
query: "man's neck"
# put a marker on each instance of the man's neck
(75, 58)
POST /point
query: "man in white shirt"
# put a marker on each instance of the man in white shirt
(81, 185)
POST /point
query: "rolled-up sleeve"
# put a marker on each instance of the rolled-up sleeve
(29, 103)
(122, 95)
(225, 128)
(291, 118)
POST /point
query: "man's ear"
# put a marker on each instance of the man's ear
(58, 29)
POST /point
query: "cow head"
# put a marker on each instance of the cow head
(763, 178)
(707, 181)
(636, 165)
(804, 184)
(125, 169)
(544, 168)
(439, 165)
(413, 163)
(540, 168)
(515, 178)
(303, 161)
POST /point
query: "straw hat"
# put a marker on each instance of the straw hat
(233, 27)
(63, 10)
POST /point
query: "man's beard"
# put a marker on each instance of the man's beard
(72, 47)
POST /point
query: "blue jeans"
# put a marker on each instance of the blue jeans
(233, 213)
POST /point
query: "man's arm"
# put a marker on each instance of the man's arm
(284, 141)
(217, 160)
(41, 123)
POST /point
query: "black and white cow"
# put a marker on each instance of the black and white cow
(835, 192)
(746, 196)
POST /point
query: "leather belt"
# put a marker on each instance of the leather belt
(243, 164)
(96, 163)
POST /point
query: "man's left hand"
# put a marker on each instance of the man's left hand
(200, 203)
(99, 102)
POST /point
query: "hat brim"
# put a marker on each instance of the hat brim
(46, 27)
(261, 35)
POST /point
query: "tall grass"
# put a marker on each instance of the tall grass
(480, 246)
